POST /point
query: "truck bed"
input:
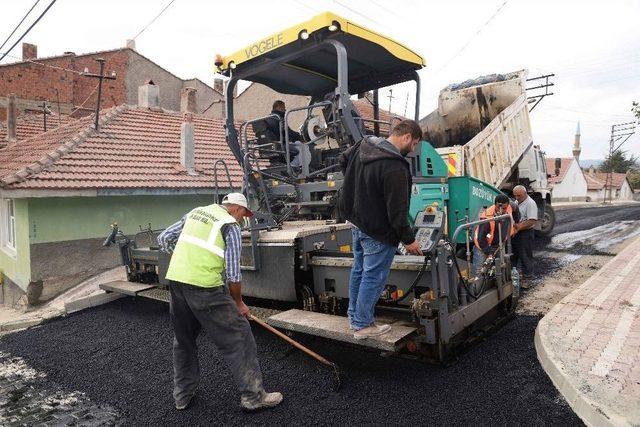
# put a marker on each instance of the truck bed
(482, 130)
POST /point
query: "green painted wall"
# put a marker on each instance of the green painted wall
(17, 267)
(73, 218)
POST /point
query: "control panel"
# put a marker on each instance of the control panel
(429, 227)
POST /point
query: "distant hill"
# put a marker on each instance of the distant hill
(587, 163)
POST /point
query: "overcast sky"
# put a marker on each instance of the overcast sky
(593, 47)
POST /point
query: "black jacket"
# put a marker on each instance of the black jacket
(273, 126)
(376, 191)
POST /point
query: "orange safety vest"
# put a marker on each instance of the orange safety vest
(488, 213)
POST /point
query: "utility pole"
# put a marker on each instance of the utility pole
(539, 89)
(100, 78)
(45, 112)
(618, 132)
(376, 113)
(390, 96)
(58, 102)
(406, 104)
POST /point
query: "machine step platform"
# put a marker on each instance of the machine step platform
(126, 288)
(337, 328)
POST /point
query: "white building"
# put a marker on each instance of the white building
(568, 183)
(597, 188)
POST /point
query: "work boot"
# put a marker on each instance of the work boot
(267, 400)
(184, 403)
(371, 331)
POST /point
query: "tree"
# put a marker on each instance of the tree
(635, 109)
(634, 179)
(619, 162)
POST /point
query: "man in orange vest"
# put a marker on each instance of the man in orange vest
(487, 235)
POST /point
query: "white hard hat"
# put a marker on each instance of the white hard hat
(237, 199)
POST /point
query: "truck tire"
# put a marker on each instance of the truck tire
(548, 221)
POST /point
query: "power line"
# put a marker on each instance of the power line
(386, 9)
(153, 20)
(19, 23)
(29, 29)
(474, 36)
(360, 14)
(301, 3)
(55, 67)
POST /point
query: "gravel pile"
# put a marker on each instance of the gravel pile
(120, 355)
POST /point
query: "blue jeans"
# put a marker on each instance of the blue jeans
(371, 263)
(478, 259)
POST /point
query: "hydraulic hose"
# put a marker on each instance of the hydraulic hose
(416, 280)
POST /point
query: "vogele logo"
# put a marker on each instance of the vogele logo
(264, 46)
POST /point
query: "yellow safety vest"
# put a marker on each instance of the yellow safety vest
(198, 258)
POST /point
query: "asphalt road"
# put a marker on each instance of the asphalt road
(120, 355)
(569, 220)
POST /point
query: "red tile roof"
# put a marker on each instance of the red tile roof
(597, 180)
(30, 125)
(565, 163)
(135, 148)
(366, 111)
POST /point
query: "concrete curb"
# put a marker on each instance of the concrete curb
(20, 324)
(90, 301)
(592, 412)
(589, 411)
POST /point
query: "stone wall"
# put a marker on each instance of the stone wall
(58, 266)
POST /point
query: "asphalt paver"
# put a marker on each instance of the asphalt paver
(119, 355)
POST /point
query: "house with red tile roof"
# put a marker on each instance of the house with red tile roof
(598, 187)
(60, 190)
(566, 180)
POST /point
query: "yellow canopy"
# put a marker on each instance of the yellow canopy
(373, 59)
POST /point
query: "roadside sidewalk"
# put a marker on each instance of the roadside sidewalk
(86, 294)
(589, 343)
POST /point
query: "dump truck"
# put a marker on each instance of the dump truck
(482, 129)
(293, 252)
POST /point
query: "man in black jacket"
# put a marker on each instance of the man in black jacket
(375, 199)
(273, 125)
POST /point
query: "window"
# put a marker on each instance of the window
(8, 231)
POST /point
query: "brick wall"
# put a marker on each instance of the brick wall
(257, 99)
(35, 82)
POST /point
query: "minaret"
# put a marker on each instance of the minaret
(576, 144)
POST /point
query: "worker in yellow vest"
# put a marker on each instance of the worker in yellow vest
(205, 284)
(487, 235)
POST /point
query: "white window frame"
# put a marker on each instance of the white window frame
(8, 225)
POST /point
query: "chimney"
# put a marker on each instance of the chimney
(131, 44)
(187, 143)
(11, 117)
(558, 166)
(149, 96)
(188, 100)
(69, 53)
(218, 85)
(576, 144)
(29, 51)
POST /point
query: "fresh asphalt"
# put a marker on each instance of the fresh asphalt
(119, 355)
